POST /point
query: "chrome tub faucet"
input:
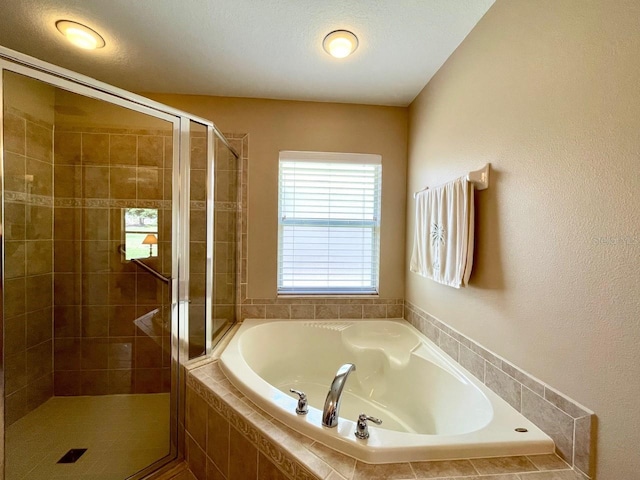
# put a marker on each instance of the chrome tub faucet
(362, 429)
(331, 409)
(303, 403)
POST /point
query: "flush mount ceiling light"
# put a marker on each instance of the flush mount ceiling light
(80, 35)
(340, 43)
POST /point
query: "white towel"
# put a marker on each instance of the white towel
(443, 245)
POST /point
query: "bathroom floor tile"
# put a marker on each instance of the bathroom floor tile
(548, 462)
(552, 475)
(366, 471)
(440, 469)
(122, 434)
(489, 466)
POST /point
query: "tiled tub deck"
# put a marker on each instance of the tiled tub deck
(569, 424)
(229, 437)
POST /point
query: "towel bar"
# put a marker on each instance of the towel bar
(480, 179)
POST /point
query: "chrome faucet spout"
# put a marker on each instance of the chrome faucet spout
(334, 397)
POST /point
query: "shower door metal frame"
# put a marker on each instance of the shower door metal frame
(210, 221)
(68, 80)
(185, 199)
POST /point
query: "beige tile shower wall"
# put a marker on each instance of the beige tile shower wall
(547, 91)
(111, 319)
(28, 262)
(273, 125)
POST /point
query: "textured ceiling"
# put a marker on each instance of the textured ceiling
(250, 48)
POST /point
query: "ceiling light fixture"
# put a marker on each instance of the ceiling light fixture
(340, 43)
(80, 35)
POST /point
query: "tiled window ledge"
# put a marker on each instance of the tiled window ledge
(229, 437)
(321, 307)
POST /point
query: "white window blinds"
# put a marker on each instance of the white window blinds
(329, 223)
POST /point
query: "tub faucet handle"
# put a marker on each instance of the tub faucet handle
(302, 408)
(362, 428)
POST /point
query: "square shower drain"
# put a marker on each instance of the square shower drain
(72, 455)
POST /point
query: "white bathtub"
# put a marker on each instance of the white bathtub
(431, 408)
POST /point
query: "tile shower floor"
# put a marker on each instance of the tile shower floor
(122, 434)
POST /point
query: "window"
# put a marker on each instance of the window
(329, 223)
(140, 232)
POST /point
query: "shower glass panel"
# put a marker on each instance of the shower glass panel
(199, 211)
(88, 259)
(226, 232)
(212, 272)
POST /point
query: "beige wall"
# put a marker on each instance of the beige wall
(547, 91)
(275, 125)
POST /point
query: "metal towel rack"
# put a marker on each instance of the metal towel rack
(479, 178)
(144, 266)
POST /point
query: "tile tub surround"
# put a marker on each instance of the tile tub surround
(568, 423)
(228, 437)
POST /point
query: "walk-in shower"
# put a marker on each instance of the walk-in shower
(111, 279)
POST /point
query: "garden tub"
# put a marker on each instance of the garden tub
(431, 408)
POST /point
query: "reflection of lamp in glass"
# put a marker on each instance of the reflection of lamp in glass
(150, 240)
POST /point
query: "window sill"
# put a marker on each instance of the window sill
(325, 296)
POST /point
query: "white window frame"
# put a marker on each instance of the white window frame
(153, 251)
(372, 223)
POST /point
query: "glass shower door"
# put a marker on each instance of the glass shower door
(89, 355)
